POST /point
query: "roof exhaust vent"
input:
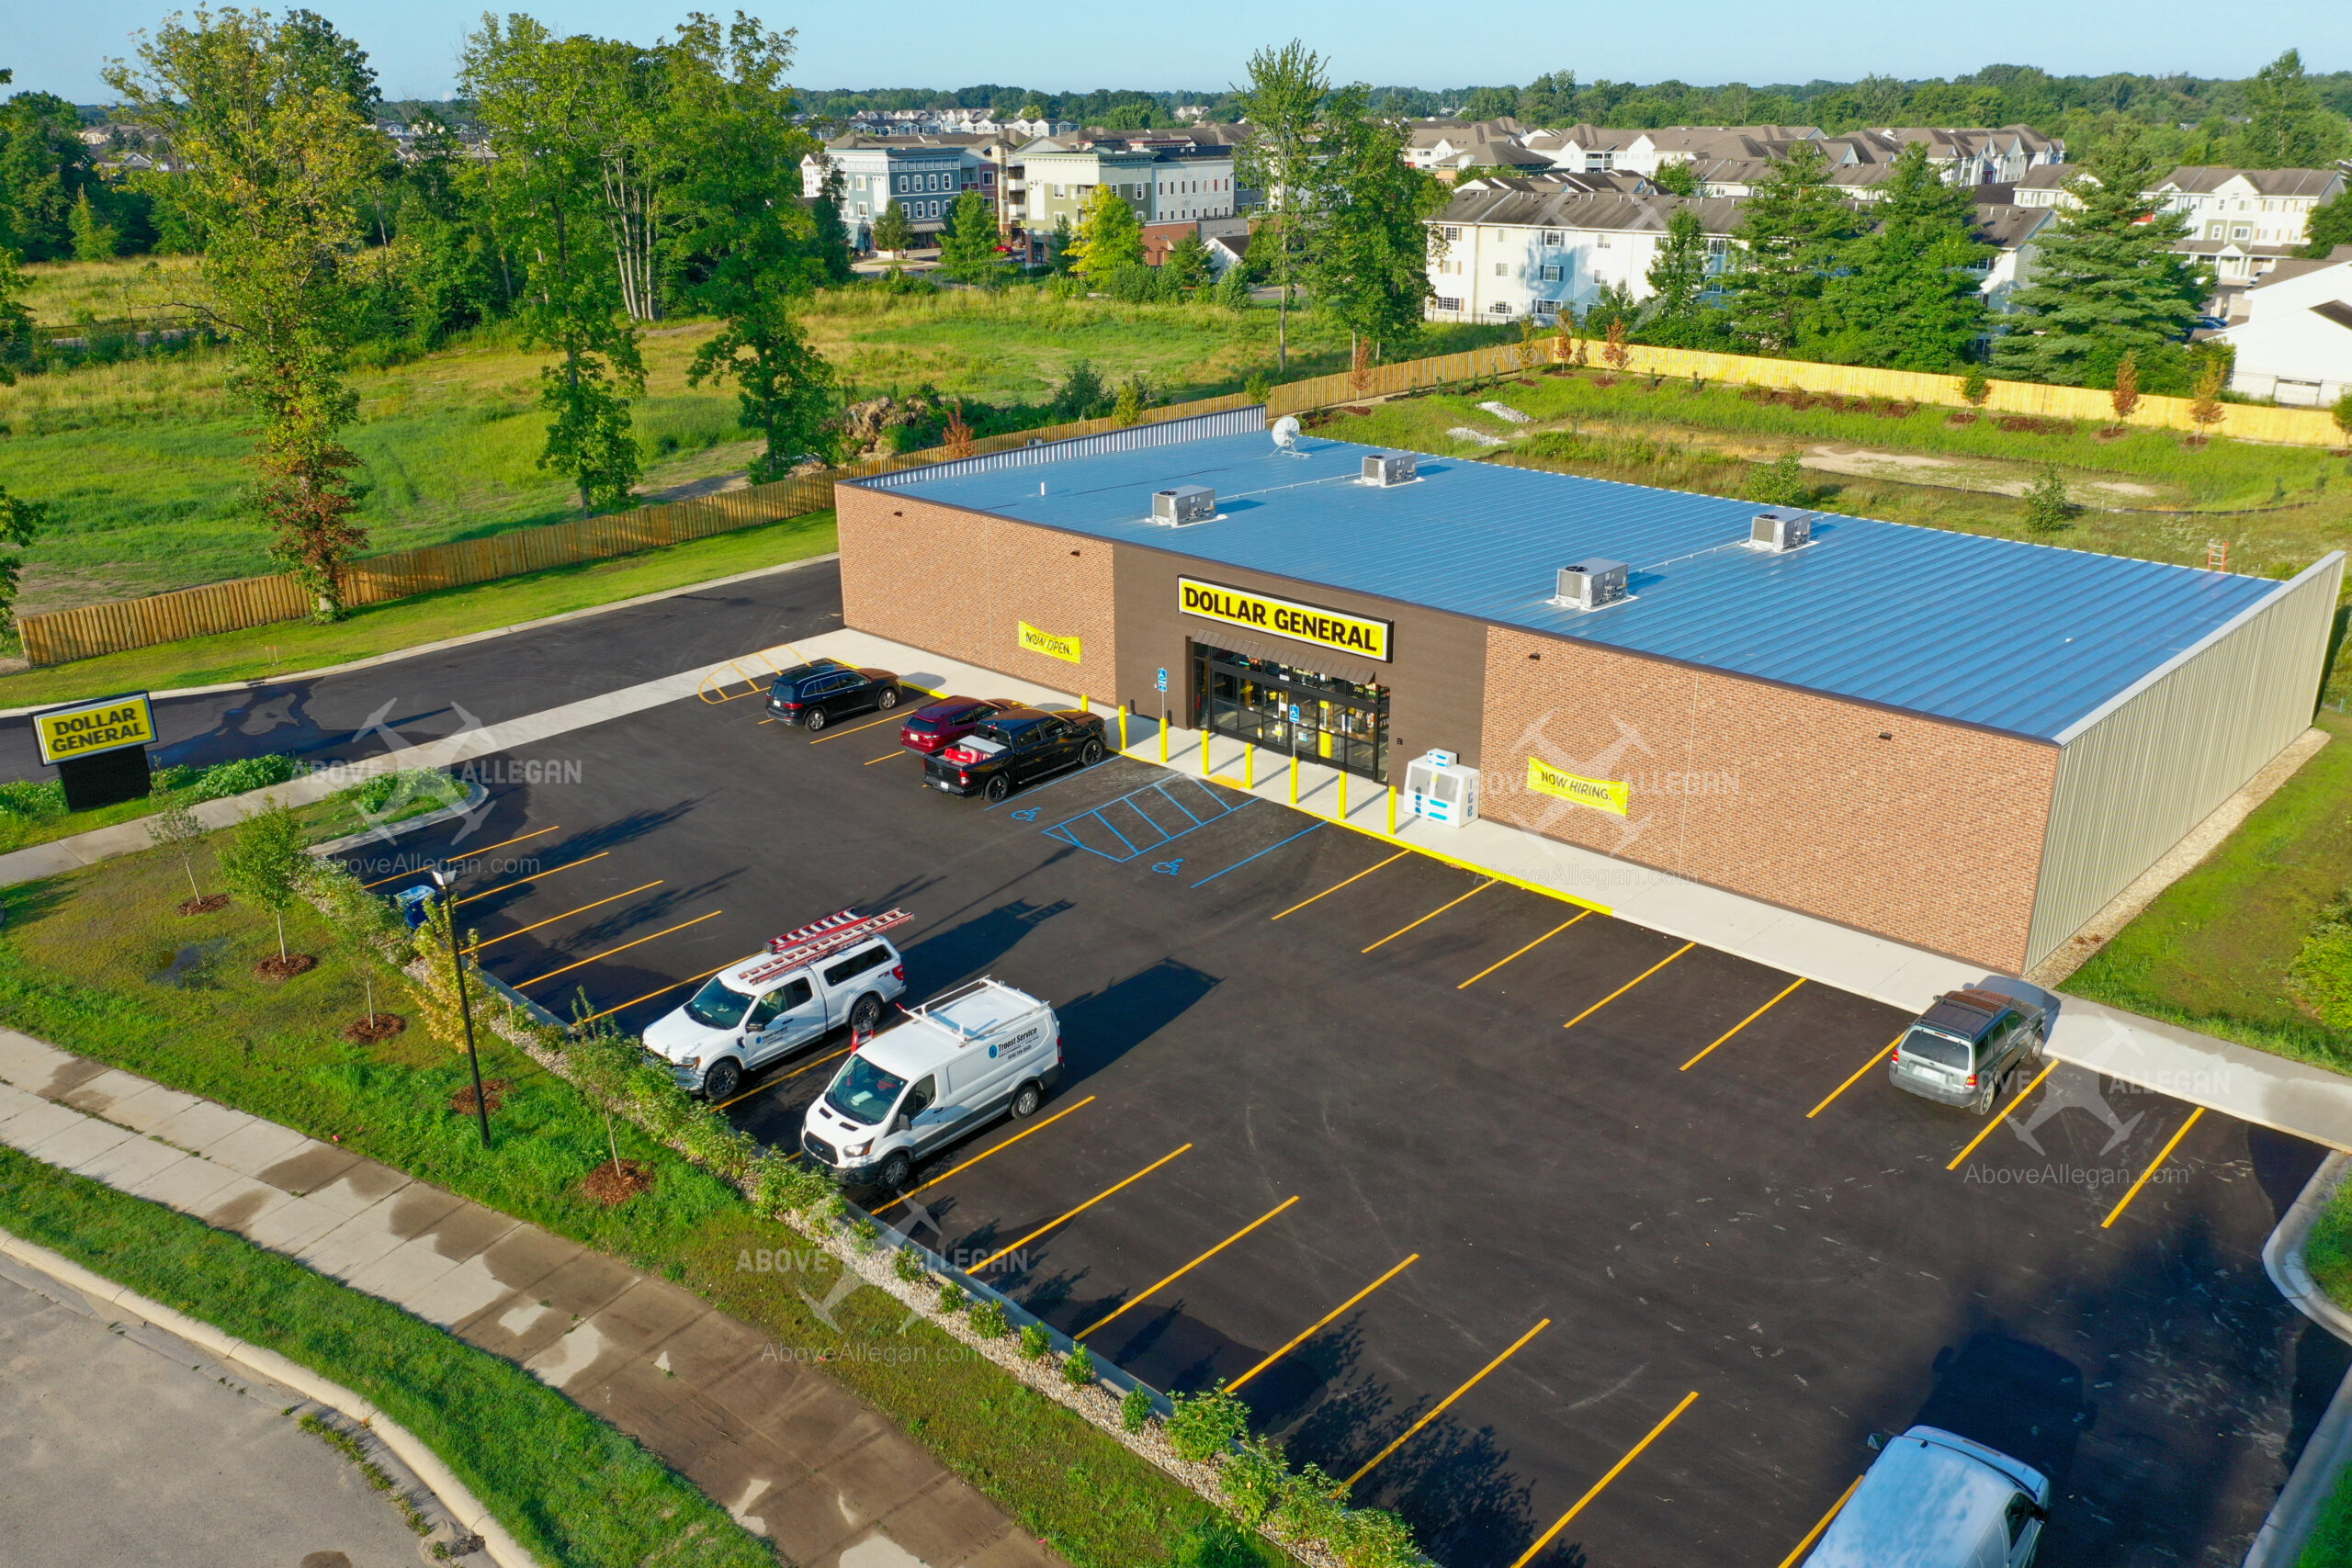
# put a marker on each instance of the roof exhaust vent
(1183, 505)
(1781, 531)
(1386, 468)
(1593, 586)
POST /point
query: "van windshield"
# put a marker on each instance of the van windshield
(1927, 1045)
(718, 1006)
(863, 1092)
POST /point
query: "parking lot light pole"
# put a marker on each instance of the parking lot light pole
(441, 879)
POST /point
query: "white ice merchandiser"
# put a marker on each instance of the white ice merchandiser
(1442, 790)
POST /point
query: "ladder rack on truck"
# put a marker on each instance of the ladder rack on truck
(804, 945)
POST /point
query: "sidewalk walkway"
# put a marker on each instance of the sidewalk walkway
(789, 1452)
(2238, 1080)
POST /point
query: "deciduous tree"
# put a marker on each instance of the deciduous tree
(1370, 266)
(1676, 314)
(1285, 94)
(1795, 229)
(1108, 237)
(1906, 295)
(968, 252)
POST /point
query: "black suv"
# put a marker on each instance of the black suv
(813, 695)
(1013, 748)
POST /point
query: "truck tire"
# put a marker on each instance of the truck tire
(720, 1079)
(1025, 1100)
(898, 1168)
(998, 787)
(865, 1012)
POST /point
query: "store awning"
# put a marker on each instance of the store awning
(1299, 656)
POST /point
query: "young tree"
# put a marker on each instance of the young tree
(968, 253)
(1371, 262)
(1187, 261)
(2107, 278)
(537, 97)
(1285, 92)
(1905, 296)
(1232, 290)
(175, 827)
(1615, 304)
(893, 231)
(2047, 504)
(276, 155)
(2329, 227)
(1109, 238)
(758, 250)
(1677, 312)
(1796, 230)
(2288, 126)
(264, 857)
(2125, 397)
(1676, 179)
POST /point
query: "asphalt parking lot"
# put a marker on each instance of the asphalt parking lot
(1625, 1171)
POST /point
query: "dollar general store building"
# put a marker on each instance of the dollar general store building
(1967, 744)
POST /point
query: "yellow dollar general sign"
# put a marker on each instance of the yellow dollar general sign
(1067, 649)
(108, 724)
(1285, 617)
(1612, 796)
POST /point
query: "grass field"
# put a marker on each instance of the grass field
(98, 963)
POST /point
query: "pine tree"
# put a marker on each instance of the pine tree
(1795, 229)
(1906, 298)
(2105, 279)
(892, 229)
(1109, 237)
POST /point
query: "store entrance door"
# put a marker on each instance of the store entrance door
(1284, 709)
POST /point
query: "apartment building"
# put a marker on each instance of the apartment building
(1507, 255)
(923, 174)
(1164, 185)
(2244, 222)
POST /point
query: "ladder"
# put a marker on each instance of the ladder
(805, 944)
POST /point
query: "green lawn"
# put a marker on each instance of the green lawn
(288, 646)
(97, 962)
(2212, 950)
(575, 1492)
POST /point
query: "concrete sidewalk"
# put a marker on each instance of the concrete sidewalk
(792, 1454)
(2238, 1080)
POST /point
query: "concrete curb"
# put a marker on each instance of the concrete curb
(475, 795)
(462, 1504)
(400, 653)
(2279, 1542)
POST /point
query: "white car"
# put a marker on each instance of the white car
(947, 1069)
(766, 1008)
(1933, 1499)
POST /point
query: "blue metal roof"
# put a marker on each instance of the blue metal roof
(2022, 638)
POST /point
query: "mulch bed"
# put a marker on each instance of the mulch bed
(286, 968)
(611, 1184)
(2112, 431)
(374, 1027)
(211, 903)
(492, 1090)
(2027, 424)
(2194, 443)
(1962, 416)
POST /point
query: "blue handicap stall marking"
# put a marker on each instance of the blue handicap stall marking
(1168, 867)
(1143, 820)
(1028, 816)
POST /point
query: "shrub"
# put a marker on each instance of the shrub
(1217, 1543)
(951, 1297)
(2321, 974)
(907, 1264)
(2327, 1252)
(32, 798)
(1078, 1367)
(2342, 414)
(1205, 1424)
(865, 1234)
(179, 776)
(1311, 1506)
(1372, 1538)
(224, 779)
(1257, 387)
(1253, 1481)
(1036, 1343)
(1135, 1411)
(2047, 504)
(988, 1321)
(781, 1185)
(1974, 389)
(1780, 482)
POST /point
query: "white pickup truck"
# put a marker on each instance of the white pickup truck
(947, 1068)
(811, 981)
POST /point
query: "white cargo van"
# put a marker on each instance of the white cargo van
(947, 1068)
(1935, 1500)
(811, 981)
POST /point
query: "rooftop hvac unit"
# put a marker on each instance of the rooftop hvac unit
(1781, 529)
(1389, 469)
(1441, 790)
(1183, 505)
(1593, 586)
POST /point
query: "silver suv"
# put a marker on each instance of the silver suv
(1960, 1048)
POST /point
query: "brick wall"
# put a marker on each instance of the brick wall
(1933, 837)
(958, 584)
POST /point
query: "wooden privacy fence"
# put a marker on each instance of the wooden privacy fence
(244, 603)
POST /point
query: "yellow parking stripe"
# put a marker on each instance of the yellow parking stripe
(675, 985)
(1137, 1299)
(1850, 1082)
(1319, 1324)
(1049, 1224)
(565, 916)
(1433, 915)
(977, 1158)
(1629, 984)
(1743, 1024)
(788, 1078)
(1816, 1531)
(893, 716)
(887, 755)
(469, 855)
(1539, 942)
(1359, 876)
(1614, 1472)
(1440, 1408)
(624, 947)
(2162, 1155)
(2007, 1111)
(534, 876)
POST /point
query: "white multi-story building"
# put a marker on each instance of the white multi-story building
(922, 175)
(1505, 255)
(2294, 345)
(2242, 221)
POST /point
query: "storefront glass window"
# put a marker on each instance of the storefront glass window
(1282, 707)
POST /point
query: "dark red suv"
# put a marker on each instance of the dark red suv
(948, 720)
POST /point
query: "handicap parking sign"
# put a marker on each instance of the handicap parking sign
(1164, 680)
(1294, 712)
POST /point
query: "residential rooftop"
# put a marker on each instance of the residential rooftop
(2030, 640)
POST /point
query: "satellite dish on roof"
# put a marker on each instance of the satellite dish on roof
(1285, 433)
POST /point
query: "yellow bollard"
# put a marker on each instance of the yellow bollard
(1248, 767)
(1392, 811)
(1083, 706)
(1123, 729)
(1344, 795)
(1294, 778)
(1163, 738)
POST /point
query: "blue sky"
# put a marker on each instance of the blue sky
(61, 45)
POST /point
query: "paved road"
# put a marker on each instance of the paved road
(434, 694)
(118, 1455)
